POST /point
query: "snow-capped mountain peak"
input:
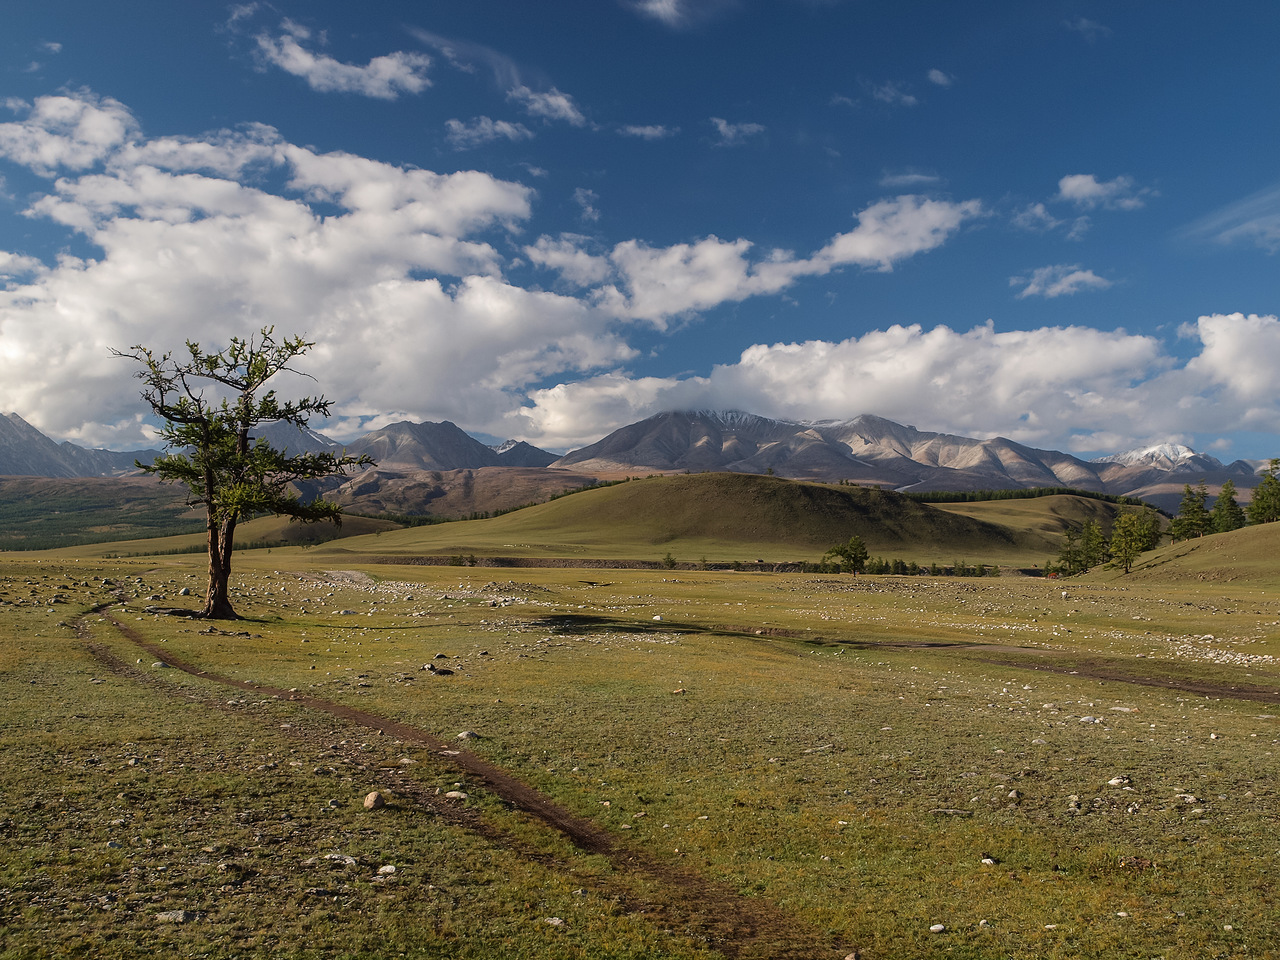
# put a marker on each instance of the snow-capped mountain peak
(1163, 455)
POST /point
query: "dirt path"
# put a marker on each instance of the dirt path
(1020, 658)
(744, 928)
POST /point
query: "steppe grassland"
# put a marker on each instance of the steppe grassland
(852, 778)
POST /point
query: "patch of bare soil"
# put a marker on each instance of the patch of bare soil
(748, 928)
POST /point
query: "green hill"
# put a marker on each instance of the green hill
(718, 517)
(1247, 557)
(1041, 521)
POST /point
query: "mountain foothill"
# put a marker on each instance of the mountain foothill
(438, 469)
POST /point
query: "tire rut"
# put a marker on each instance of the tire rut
(739, 927)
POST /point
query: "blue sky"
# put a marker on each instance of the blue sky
(1055, 222)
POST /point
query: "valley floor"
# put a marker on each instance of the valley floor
(633, 764)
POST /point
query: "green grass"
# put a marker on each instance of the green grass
(719, 518)
(691, 519)
(839, 750)
(38, 513)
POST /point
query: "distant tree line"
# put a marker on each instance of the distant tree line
(853, 557)
(1024, 493)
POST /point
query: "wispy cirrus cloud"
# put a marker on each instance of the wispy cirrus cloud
(680, 14)
(546, 102)
(734, 134)
(1091, 30)
(1255, 221)
(588, 204)
(909, 179)
(383, 78)
(895, 94)
(1059, 280)
(479, 131)
(652, 131)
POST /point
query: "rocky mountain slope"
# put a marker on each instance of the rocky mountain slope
(870, 449)
(26, 452)
(864, 450)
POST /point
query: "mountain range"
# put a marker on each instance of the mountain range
(864, 450)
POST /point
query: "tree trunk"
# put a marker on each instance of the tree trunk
(217, 605)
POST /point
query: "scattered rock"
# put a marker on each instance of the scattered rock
(456, 795)
(160, 665)
(553, 921)
(938, 928)
(175, 916)
(386, 870)
(374, 801)
(340, 858)
(468, 735)
(1120, 781)
(184, 592)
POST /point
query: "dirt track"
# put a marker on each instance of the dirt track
(736, 926)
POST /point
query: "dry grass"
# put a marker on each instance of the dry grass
(846, 750)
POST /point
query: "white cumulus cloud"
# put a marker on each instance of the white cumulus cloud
(68, 131)
(384, 78)
(1071, 388)
(548, 105)
(656, 283)
(1086, 191)
(401, 284)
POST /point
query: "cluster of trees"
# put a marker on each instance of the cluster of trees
(1132, 534)
(1196, 519)
(1135, 533)
(853, 557)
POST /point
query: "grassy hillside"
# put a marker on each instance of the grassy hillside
(38, 513)
(1043, 520)
(453, 494)
(1244, 557)
(264, 531)
(719, 517)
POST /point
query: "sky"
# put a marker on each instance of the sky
(1057, 222)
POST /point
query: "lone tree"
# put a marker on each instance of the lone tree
(1227, 515)
(851, 556)
(1193, 520)
(1131, 535)
(210, 443)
